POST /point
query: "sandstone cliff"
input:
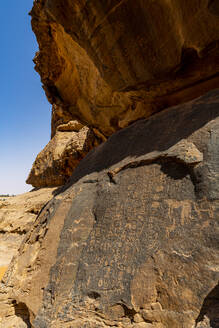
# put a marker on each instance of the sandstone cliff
(131, 240)
(108, 64)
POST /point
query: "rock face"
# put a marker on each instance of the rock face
(132, 240)
(109, 63)
(17, 214)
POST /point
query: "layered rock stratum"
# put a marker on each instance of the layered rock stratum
(131, 239)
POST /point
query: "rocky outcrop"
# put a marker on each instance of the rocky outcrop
(17, 215)
(56, 162)
(131, 241)
(108, 64)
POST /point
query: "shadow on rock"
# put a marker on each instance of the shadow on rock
(167, 128)
(210, 309)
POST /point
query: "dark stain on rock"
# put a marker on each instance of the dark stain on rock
(214, 7)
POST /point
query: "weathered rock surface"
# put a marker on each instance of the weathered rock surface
(17, 215)
(56, 162)
(132, 240)
(109, 63)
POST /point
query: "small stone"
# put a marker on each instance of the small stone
(185, 152)
(156, 306)
(70, 126)
(126, 321)
(138, 318)
(115, 312)
(143, 325)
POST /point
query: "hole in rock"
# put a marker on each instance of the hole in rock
(210, 308)
(21, 310)
(94, 295)
(188, 57)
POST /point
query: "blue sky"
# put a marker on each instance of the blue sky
(24, 110)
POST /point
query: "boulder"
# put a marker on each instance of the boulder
(56, 162)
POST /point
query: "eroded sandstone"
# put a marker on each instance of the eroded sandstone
(56, 162)
(108, 64)
(131, 240)
(17, 215)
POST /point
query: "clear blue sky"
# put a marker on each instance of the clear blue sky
(24, 110)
